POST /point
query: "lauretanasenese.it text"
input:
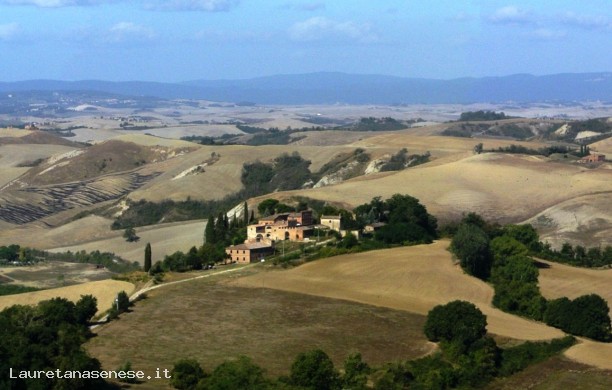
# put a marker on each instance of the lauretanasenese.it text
(103, 374)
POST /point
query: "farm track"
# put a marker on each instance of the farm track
(56, 198)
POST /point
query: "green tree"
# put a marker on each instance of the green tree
(130, 235)
(314, 370)
(186, 374)
(85, 308)
(355, 372)
(147, 258)
(239, 374)
(471, 246)
(459, 323)
(267, 207)
(525, 234)
(504, 247)
(123, 301)
(209, 231)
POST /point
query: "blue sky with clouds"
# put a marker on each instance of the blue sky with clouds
(181, 40)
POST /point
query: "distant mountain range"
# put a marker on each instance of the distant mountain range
(331, 87)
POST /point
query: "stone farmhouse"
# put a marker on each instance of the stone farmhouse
(285, 226)
(593, 158)
(248, 252)
(331, 221)
(261, 236)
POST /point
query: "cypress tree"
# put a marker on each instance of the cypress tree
(209, 232)
(220, 228)
(147, 258)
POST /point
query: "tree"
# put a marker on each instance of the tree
(459, 323)
(525, 234)
(186, 374)
(267, 207)
(130, 235)
(85, 308)
(471, 245)
(587, 315)
(209, 231)
(123, 301)
(314, 370)
(147, 258)
(478, 148)
(238, 374)
(355, 372)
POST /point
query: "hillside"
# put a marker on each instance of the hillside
(407, 278)
(501, 187)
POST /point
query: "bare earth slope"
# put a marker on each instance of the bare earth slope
(407, 278)
(584, 220)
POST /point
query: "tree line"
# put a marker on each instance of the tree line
(502, 256)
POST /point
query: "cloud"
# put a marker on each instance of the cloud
(128, 31)
(547, 34)
(156, 5)
(461, 17)
(53, 3)
(319, 28)
(587, 22)
(307, 6)
(511, 15)
(8, 31)
(193, 5)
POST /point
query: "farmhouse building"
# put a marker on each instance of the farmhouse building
(593, 158)
(285, 226)
(248, 252)
(372, 227)
(331, 221)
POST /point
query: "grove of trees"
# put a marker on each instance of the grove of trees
(502, 257)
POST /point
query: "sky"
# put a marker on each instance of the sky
(181, 40)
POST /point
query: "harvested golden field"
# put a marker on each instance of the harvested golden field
(165, 239)
(560, 280)
(414, 279)
(10, 132)
(603, 146)
(592, 353)
(502, 187)
(104, 290)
